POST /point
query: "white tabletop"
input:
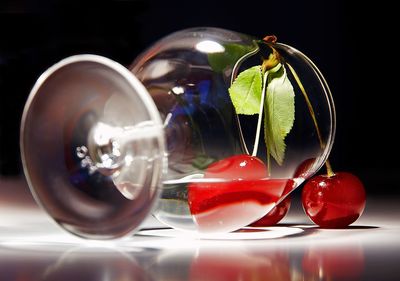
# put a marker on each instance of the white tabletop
(33, 247)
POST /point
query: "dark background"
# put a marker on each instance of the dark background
(351, 43)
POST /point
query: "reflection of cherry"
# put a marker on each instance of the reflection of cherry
(240, 265)
(236, 191)
(345, 263)
(334, 201)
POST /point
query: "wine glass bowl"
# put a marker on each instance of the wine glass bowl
(190, 75)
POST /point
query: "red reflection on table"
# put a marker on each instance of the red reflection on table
(343, 263)
(240, 265)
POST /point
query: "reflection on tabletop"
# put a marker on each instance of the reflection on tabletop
(233, 263)
(32, 247)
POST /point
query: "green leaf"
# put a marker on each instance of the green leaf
(245, 91)
(232, 53)
(279, 112)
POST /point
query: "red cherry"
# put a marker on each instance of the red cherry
(279, 211)
(335, 201)
(237, 167)
(245, 195)
(275, 215)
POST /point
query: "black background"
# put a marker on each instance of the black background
(351, 43)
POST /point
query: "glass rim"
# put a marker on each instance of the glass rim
(135, 87)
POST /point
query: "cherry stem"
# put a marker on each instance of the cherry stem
(233, 75)
(260, 115)
(270, 39)
(329, 170)
(309, 105)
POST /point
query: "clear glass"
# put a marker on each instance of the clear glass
(211, 184)
(98, 140)
(83, 150)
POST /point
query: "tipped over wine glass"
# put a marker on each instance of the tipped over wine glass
(208, 130)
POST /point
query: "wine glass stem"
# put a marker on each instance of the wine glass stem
(107, 145)
(130, 135)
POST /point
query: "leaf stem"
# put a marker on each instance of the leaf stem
(260, 115)
(329, 170)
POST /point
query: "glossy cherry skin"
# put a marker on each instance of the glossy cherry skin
(279, 211)
(334, 202)
(242, 166)
(275, 215)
